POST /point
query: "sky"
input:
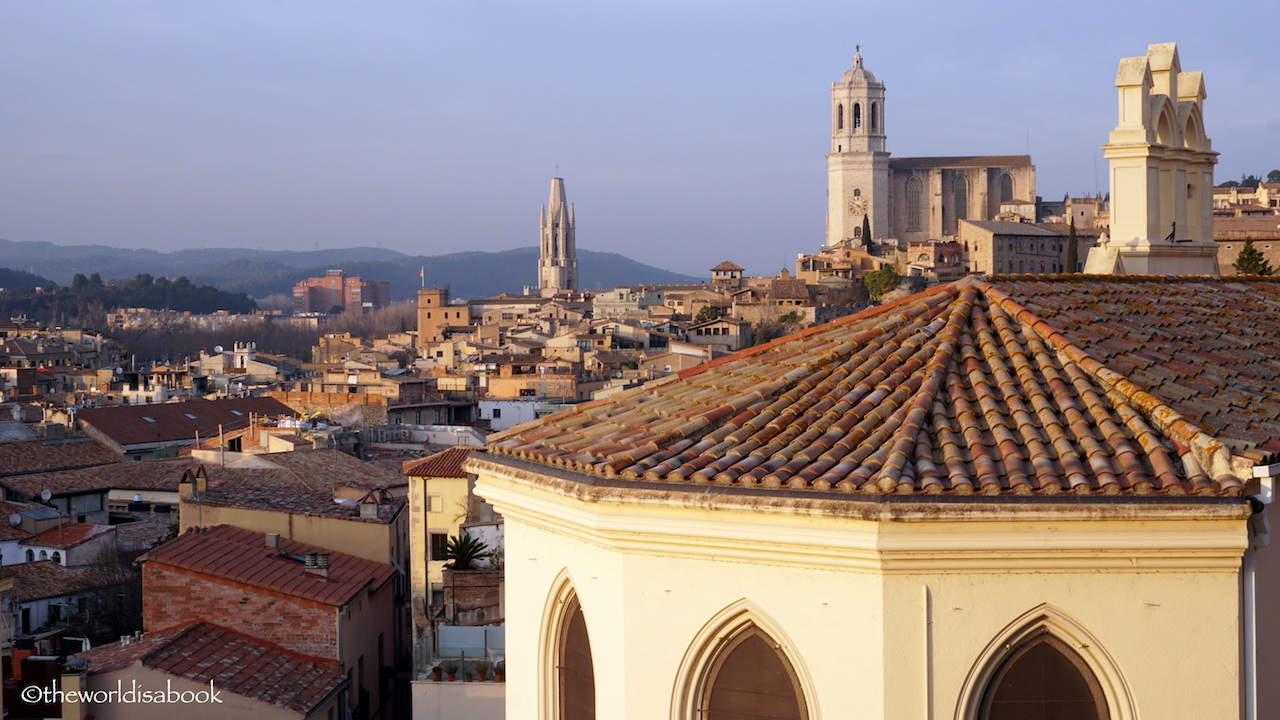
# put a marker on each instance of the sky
(687, 131)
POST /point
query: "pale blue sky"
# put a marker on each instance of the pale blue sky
(687, 132)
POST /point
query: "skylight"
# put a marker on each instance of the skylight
(193, 417)
(150, 420)
(237, 412)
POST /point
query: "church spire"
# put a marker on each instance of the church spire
(558, 262)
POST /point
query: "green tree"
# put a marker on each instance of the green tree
(881, 281)
(1073, 247)
(707, 314)
(866, 231)
(1273, 176)
(463, 552)
(1250, 261)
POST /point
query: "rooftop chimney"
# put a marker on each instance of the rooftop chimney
(202, 479)
(369, 508)
(273, 540)
(316, 565)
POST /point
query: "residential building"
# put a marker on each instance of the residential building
(252, 677)
(333, 608)
(140, 432)
(996, 247)
(336, 290)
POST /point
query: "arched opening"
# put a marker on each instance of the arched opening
(961, 195)
(31, 555)
(874, 113)
(1006, 188)
(915, 205)
(44, 554)
(1164, 129)
(857, 192)
(857, 231)
(840, 116)
(575, 673)
(57, 557)
(857, 116)
(1043, 678)
(751, 679)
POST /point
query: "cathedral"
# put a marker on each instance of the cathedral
(558, 262)
(909, 199)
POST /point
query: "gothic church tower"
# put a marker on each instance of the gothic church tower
(858, 166)
(558, 263)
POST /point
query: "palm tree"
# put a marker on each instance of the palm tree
(463, 551)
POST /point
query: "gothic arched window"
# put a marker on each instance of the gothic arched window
(751, 679)
(857, 116)
(575, 673)
(1006, 188)
(962, 198)
(840, 116)
(1043, 678)
(875, 110)
(915, 205)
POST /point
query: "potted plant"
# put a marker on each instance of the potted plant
(450, 668)
(437, 674)
(482, 670)
(500, 671)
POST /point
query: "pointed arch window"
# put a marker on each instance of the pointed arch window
(1044, 678)
(839, 116)
(575, 672)
(1006, 188)
(915, 205)
(961, 194)
(857, 116)
(751, 679)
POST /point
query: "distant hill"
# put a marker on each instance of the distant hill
(20, 280)
(261, 273)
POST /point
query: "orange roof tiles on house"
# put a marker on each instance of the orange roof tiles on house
(67, 535)
(243, 556)
(137, 425)
(727, 266)
(445, 464)
(237, 663)
(146, 475)
(1014, 385)
(29, 456)
(43, 579)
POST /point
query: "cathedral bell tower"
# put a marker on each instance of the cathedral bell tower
(558, 260)
(858, 165)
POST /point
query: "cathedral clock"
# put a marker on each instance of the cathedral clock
(858, 206)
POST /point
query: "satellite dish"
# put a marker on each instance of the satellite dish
(15, 519)
(217, 349)
(45, 495)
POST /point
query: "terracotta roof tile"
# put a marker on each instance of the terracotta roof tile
(67, 535)
(47, 579)
(443, 464)
(144, 475)
(243, 556)
(234, 662)
(173, 422)
(1016, 385)
(28, 456)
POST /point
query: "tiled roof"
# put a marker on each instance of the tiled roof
(962, 161)
(145, 475)
(283, 491)
(788, 289)
(67, 535)
(27, 456)
(173, 422)
(331, 467)
(447, 464)
(727, 266)
(243, 556)
(234, 662)
(11, 430)
(47, 579)
(1013, 385)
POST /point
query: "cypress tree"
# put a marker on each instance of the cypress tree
(1073, 248)
(1251, 261)
(866, 231)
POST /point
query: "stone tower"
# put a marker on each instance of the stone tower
(1161, 173)
(858, 165)
(558, 263)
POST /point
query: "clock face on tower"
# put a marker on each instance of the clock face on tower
(857, 206)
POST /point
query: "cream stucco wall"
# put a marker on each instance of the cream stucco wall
(886, 610)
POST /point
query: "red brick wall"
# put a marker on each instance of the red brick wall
(171, 597)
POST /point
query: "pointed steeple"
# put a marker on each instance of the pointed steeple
(558, 264)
